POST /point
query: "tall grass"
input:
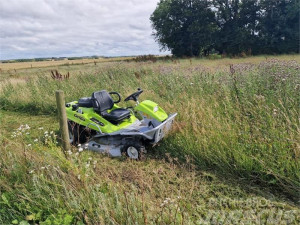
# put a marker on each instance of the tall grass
(38, 185)
(242, 121)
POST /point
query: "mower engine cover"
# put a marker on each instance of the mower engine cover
(152, 109)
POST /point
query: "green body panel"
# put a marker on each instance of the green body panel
(88, 113)
(152, 109)
(85, 116)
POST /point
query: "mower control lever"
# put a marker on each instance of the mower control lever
(134, 96)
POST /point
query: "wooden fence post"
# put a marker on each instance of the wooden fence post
(62, 116)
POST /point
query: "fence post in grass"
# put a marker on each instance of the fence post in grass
(62, 116)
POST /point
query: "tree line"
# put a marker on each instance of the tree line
(231, 27)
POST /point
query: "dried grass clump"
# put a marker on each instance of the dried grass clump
(58, 76)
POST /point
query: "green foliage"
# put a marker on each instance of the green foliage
(237, 26)
(184, 26)
(279, 26)
(61, 218)
(233, 27)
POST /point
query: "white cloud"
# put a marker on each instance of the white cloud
(44, 28)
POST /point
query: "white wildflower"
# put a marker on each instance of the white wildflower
(78, 177)
(43, 167)
(80, 149)
(41, 128)
(51, 132)
(168, 201)
(31, 171)
(36, 140)
(79, 145)
(29, 145)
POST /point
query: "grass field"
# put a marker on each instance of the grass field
(13, 66)
(232, 157)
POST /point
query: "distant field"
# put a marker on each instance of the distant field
(39, 64)
(234, 150)
(22, 70)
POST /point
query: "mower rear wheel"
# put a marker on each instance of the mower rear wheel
(71, 136)
(77, 133)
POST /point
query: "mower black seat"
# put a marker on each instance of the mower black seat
(117, 115)
(102, 102)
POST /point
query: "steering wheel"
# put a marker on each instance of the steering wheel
(116, 93)
(134, 96)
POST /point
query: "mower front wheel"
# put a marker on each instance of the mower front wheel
(134, 151)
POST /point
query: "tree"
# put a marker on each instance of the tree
(194, 27)
(185, 27)
(237, 25)
(279, 26)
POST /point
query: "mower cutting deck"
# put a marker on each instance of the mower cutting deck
(107, 128)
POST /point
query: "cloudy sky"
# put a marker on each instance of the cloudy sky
(46, 28)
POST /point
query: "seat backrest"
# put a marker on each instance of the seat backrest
(102, 101)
